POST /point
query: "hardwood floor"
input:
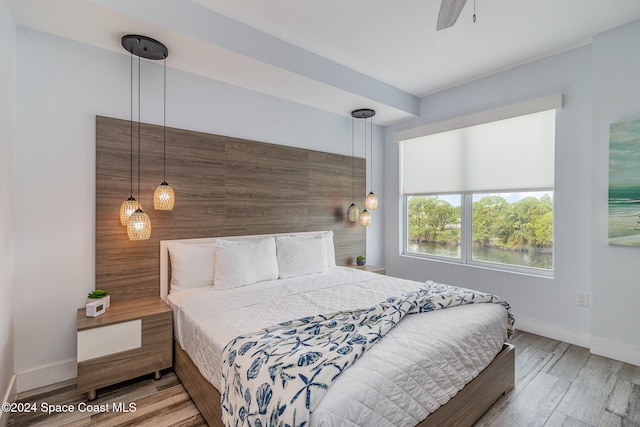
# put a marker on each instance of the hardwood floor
(157, 403)
(557, 384)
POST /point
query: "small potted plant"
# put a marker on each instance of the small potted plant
(100, 294)
(361, 260)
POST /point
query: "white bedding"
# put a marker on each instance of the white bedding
(417, 367)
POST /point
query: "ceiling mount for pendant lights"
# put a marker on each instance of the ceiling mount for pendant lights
(144, 47)
(139, 223)
(371, 201)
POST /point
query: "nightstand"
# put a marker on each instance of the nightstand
(371, 268)
(131, 339)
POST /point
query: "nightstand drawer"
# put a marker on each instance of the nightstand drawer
(109, 339)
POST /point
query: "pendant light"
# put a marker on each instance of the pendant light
(130, 205)
(139, 223)
(365, 113)
(163, 197)
(365, 218)
(371, 202)
(352, 212)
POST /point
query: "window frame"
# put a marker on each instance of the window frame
(466, 238)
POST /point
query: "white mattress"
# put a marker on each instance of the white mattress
(417, 367)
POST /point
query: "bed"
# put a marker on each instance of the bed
(442, 367)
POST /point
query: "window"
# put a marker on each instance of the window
(513, 229)
(483, 194)
(433, 225)
(506, 228)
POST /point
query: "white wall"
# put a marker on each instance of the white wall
(600, 84)
(616, 269)
(7, 197)
(62, 86)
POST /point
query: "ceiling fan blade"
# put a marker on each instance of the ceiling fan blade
(449, 12)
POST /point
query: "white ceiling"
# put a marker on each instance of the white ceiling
(336, 55)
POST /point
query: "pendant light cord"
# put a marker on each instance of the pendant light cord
(371, 147)
(131, 131)
(352, 154)
(139, 139)
(164, 126)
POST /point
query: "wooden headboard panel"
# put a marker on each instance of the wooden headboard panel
(224, 187)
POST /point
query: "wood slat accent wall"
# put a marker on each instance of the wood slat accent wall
(224, 187)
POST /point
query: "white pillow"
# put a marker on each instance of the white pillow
(299, 256)
(244, 262)
(331, 252)
(328, 241)
(191, 265)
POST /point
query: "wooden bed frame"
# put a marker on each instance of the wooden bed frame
(466, 407)
(462, 410)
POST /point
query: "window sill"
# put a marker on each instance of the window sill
(500, 268)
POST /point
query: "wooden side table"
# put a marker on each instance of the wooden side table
(131, 339)
(371, 268)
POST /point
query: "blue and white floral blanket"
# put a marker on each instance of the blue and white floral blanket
(277, 376)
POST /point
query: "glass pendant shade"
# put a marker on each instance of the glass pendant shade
(164, 198)
(352, 213)
(128, 207)
(365, 218)
(371, 202)
(139, 226)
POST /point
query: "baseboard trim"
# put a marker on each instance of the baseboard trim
(9, 396)
(602, 347)
(553, 331)
(46, 375)
(616, 350)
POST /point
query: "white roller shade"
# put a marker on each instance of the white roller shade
(515, 153)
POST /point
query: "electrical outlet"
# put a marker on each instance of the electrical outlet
(583, 300)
